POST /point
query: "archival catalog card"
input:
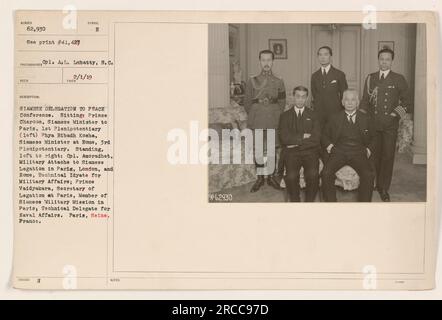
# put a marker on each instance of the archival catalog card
(225, 150)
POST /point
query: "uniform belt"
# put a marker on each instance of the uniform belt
(265, 100)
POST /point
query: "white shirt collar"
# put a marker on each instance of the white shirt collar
(385, 72)
(327, 68)
(353, 114)
(297, 110)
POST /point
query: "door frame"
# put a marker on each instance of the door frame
(337, 51)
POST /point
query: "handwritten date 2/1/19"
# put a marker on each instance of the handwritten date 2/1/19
(81, 76)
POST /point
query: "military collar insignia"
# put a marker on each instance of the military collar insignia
(266, 73)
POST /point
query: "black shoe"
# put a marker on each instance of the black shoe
(271, 181)
(278, 178)
(384, 195)
(258, 184)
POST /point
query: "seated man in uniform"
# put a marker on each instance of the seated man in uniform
(299, 134)
(350, 137)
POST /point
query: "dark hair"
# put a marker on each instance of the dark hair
(300, 88)
(386, 50)
(326, 47)
(267, 52)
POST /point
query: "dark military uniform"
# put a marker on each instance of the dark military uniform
(381, 98)
(264, 102)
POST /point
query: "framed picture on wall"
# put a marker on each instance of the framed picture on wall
(385, 45)
(279, 48)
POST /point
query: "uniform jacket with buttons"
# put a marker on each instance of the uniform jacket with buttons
(327, 91)
(290, 135)
(264, 100)
(333, 129)
(383, 97)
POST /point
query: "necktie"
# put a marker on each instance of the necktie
(323, 77)
(382, 76)
(298, 119)
(350, 118)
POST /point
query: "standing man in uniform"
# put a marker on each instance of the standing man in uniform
(264, 102)
(327, 85)
(387, 99)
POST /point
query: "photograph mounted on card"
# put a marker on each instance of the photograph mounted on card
(225, 150)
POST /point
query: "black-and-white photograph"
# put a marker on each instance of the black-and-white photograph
(317, 112)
